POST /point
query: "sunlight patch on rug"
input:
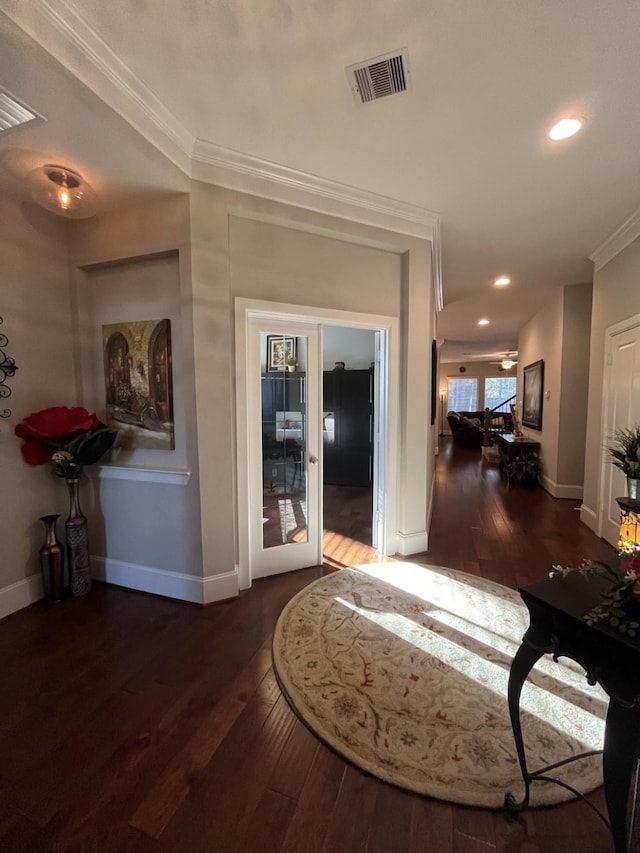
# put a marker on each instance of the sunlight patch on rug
(403, 669)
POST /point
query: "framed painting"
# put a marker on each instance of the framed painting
(279, 349)
(138, 379)
(532, 395)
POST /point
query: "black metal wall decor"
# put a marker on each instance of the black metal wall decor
(8, 369)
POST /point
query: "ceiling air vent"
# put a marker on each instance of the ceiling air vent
(13, 113)
(378, 77)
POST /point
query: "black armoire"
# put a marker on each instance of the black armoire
(348, 447)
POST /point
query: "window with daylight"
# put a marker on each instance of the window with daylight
(497, 389)
(462, 394)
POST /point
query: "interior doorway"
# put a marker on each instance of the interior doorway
(256, 322)
(348, 421)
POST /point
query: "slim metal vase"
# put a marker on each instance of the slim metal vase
(77, 543)
(52, 560)
(633, 490)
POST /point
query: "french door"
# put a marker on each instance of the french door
(283, 412)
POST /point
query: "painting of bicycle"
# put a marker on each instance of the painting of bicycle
(138, 383)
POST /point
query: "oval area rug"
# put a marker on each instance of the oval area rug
(403, 669)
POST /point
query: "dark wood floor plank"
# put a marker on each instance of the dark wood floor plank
(312, 816)
(352, 819)
(295, 762)
(391, 820)
(135, 723)
(166, 796)
(431, 826)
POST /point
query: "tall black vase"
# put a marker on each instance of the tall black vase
(77, 543)
(52, 561)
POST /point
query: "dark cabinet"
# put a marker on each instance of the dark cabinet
(347, 428)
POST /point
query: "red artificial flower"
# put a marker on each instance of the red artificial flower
(46, 431)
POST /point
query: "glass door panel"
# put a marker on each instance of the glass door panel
(284, 441)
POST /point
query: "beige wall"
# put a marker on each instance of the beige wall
(559, 334)
(572, 428)
(616, 296)
(254, 248)
(166, 521)
(35, 306)
(144, 508)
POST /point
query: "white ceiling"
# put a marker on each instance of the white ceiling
(267, 79)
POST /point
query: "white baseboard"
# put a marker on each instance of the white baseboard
(589, 517)
(144, 578)
(20, 594)
(412, 543)
(161, 582)
(560, 490)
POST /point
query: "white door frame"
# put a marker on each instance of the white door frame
(244, 309)
(605, 439)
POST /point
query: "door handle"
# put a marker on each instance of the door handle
(313, 460)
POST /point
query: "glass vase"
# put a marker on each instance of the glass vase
(77, 543)
(52, 560)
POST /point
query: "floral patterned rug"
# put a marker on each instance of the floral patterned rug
(403, 670)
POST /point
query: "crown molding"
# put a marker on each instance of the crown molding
(64, 34)
(616, 242)
(235, 170)
(225, 167)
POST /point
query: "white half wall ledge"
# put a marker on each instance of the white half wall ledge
(196, 590)
(20, 594)
(412, 543)
(166, 476)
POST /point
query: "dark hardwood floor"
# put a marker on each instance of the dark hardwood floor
(134, 723)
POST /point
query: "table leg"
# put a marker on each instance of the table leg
(524, 661)
(621, 738)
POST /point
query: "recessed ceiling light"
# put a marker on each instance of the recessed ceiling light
(503, 281)
(483, 322)
(565, 128)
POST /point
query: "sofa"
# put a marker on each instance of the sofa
(465, 432)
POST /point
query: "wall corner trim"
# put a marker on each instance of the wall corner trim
(412, 543)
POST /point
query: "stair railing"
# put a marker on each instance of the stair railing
(489, 415)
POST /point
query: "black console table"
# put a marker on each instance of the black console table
(509, 446)
(556, 607)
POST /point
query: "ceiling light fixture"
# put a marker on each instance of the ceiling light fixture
(502, 281)
(62, 191)
(565, 128)
(483, 322)
(507, 363)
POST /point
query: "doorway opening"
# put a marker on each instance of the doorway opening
(348, 445)
(258, 324)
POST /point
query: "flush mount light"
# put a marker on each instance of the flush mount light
(507, 363)
(565, 128)
(62, 191)
(502, 281)
(483, 322)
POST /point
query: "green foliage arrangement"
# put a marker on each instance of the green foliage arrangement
(620, 607)
(524, 469)
(625, 451)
